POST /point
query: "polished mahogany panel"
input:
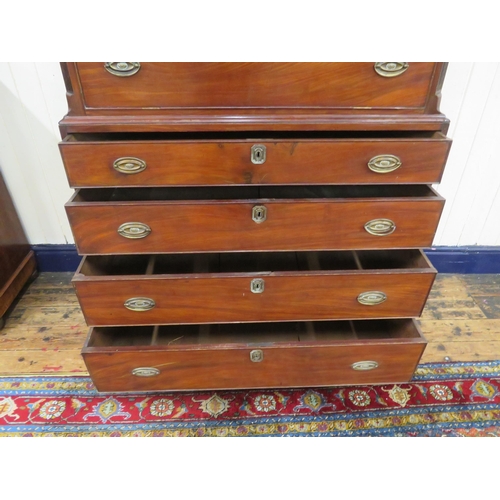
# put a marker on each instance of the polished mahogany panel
(307, 286)
(94, 162)
(317, 221)
(255, 85)
(287, 355)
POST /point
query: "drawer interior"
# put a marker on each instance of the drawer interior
(251, 136)
(253, 262)
(92, 195)
(254, 334)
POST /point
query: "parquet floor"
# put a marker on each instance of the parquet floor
(45, 329)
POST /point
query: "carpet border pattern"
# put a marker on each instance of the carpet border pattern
(443, 399)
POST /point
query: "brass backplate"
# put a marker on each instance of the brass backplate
(122, 69)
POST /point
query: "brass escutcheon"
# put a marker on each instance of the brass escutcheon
(364, 365)
(134, 230)
(129, 165)
(391, 69)
(257, 285)
(258, 154)
(122, 69)
(256, 355)
(372, 298)
(259, 214)
(145, 371)
(383, 164)
(380, 227)
(139, 304)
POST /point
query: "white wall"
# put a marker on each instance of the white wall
(32, 101)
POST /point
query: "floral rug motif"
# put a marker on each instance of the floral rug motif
(452, 399)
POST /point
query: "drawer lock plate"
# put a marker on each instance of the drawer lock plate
(259, 214)
(256, 355)
(257, 285)
(258, 154)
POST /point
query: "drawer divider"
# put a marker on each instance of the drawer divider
(353, 329)
(154, 338)
(356, 259)
(204, 334)
(313, 261)
(151, 265)
(309, 334)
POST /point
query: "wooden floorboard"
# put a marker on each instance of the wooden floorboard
(45, 329)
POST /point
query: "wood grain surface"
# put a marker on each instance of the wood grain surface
(226, 225)
(287, 296)
(252, 96)
(89, 163)
(45, 329)
(291, 355)
(255, 85)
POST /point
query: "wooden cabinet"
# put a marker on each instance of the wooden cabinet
(17, 260)
(249, 225)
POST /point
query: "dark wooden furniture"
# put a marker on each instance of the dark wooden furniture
(253, 224)
(17, 260)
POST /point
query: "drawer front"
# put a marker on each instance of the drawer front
(252, 298)
(169, 163)
(259, 365)
(170, 227)
(167, 86)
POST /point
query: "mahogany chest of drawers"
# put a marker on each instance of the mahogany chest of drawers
(252, 225)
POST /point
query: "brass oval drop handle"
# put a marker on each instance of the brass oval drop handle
(129, 165)
(122, 69)
(139, 304)
(380, 227)
(145, 371)
(134, 230)
(364, 365)
(383, 164)
(372, 298)
(391, 69)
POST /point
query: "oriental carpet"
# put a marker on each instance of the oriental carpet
(449, 399)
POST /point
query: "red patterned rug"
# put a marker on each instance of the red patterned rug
(452, 399)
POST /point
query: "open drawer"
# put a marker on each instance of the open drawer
(127, 160)
(305, 354)
(252, 287)
(273, 218)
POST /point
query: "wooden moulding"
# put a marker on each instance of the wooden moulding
(223, 357)
(275, 96)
